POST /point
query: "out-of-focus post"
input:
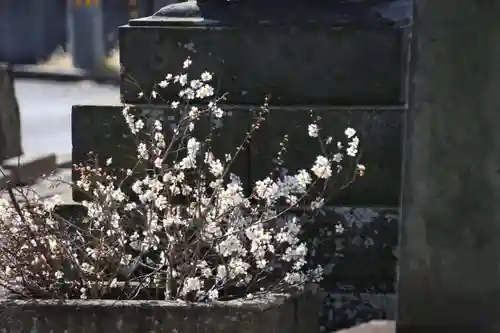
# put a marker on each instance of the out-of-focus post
(142, 8)
(86, 34)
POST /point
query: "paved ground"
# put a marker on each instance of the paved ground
(62, 60)
(46, 121)
(47, 186)
(46, 111)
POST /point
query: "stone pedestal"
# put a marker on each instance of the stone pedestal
(449, 273)
(344, 59)
(301, 53)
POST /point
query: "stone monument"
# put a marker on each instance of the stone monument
(449, 271)
(343, 59)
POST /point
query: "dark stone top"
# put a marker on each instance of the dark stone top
(245, 12)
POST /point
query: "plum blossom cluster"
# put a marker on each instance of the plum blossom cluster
(180, 224)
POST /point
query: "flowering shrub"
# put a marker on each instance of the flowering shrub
(180, 225)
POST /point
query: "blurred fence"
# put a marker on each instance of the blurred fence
(31, 30)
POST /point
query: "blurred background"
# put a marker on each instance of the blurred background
(35, 31)
(58, 53)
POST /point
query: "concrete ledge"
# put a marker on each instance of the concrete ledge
(64, 75)
(273, 313)
(27, 168)
(375, 326)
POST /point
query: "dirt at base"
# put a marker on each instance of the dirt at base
(62, 60)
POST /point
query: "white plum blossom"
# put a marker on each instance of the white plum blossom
(350, 132)
(205, 91)
(216, 168)
(206, 76)
(322, 168)
(177, 217)
(313, 130)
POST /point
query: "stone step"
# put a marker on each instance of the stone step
(57, 183)
(102, 129)
(299, 65)
(26, 169)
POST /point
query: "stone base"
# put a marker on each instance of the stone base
(295, 65)
(269, 314)
(379, 129)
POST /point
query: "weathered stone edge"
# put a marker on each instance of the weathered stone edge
(261, 302)
(385, 302)
(63, 75)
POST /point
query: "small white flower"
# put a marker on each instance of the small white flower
(139, 125)
(352, 151)
(213, 294)
(205, 91)
(360, 168)
(109, 161)
(218, 112)
(322, 168)
(216, 168)
(196, 84)
(337, 157)
(83, 293)
(163, 84)
(158, 125)
(158, 162)
(183, 79)
(193, 146)
(187, 63)
(174, 105)
(194, 113)
(318, 203)
(206, 76)
(313, 130)
(350, 132)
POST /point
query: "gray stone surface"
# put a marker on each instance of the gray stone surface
(449, 267)
(243, 12)
(295, 65)
(112, 138)
(10, 127)
(270, 314)
(380, 133)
